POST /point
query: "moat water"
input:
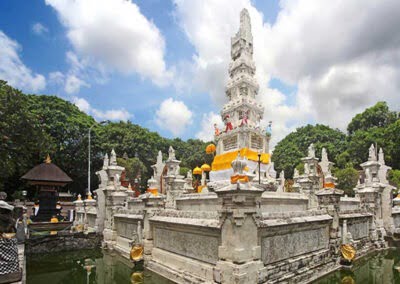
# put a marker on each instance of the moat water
(95, 266)
(87, 266)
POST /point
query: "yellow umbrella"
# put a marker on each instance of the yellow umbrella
(197, 171)
(205, 168)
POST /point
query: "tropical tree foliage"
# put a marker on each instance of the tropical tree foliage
(289, 151)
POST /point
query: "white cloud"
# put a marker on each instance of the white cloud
(39, 29)
(113, 114)
(339, 62)
(73, 84)
(82, 104)
(117, 34)
(14, 71)
(206, 132)
(173, 116)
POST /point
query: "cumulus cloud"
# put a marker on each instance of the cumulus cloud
(174, 116)
(206, 132)
(117, 34)
(113, 114)
(73, 84)
(14, 71)
(39, 29)
(339, 62)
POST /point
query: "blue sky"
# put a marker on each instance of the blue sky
(163, 64)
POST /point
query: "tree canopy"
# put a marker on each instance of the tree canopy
(289, 151)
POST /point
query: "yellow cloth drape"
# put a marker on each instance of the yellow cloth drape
(223, 161)
(153, 191)
(239, 178)
(348, 252)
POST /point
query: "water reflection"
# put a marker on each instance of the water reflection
(382, 267)
(89, 267)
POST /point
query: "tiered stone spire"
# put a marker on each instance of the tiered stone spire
(242, 113)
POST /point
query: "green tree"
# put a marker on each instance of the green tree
(22, 141)
(394, 178)
(376, 125)
(133, 167)
(347, 179)
(375, 116)
(289, 151)
(68, 128)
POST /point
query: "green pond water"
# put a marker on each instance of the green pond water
(379, 268)
(86, 266)
(95, 266)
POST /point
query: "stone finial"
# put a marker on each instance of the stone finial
(171, 153)
(152, 183)
(324, 155)
(245, 26)
(296, 173)
(281, 187)
(105, 161)
(129, 186)
(311, 151)
(113, 158)
(159, 158)
(189, 174)
(372, 153)
(381, 159)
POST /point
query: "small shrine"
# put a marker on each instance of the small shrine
(48, 179)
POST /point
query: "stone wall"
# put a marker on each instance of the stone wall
(198, 202)
(62, 242)
(196, 243)
(396, 218)
(349, 203)
(289, 237)
(283, 202)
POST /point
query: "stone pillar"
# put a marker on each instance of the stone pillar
(90, 208)
(153, 204)
(79, 211)
(328, 199)
(115, 197)
(239, 253)
(175, 183)
(309, 181)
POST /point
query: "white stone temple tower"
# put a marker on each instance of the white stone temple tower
(242, 113)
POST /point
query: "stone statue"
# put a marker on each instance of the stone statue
(296, 173)
(113, 158)
(381, 157)
(311, 151)
(372, 153)
(216, 130)
(228, 123)
(189, 175)
(105, 161)
(171, 153)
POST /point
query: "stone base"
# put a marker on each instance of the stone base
(180, 269)
(230, 273)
